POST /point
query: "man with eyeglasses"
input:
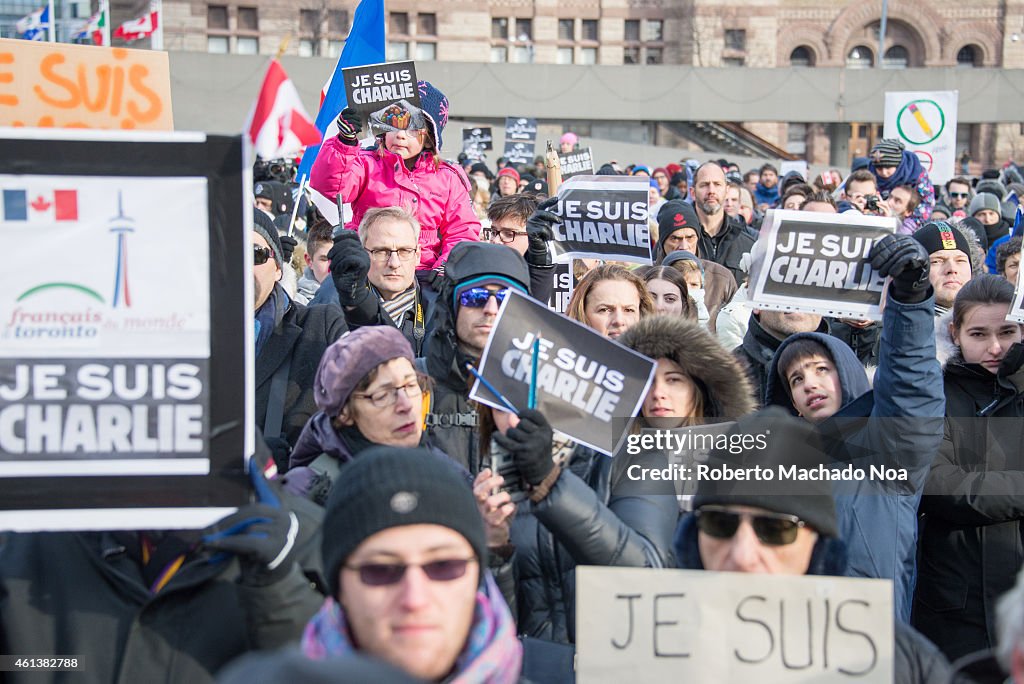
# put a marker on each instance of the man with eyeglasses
(477, 278)
(518, 222)
(290, 339)
(783, 528)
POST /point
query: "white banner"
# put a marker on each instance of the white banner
(926, 123)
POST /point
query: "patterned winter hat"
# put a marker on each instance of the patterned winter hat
(887, 153)
(435, 105)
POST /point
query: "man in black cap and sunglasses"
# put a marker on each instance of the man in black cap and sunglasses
(290, 339)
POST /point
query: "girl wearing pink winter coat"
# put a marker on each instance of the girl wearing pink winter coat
(404, 171)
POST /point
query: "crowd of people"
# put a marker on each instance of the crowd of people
(403, 531)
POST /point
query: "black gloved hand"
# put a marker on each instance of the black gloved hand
(350, 264)
(539, 232)
(348, 126)
(263, 538)
(530, 446)
(288, 245)
(906, 261)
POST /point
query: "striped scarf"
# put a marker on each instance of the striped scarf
(400, 305)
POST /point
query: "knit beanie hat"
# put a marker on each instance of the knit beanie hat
(569, 138)
(264, 225)
(788, 441)
(888, 152)
(389, 487)
(991, 186)
(480, 167)
(683, 255)
(351, 358)
(640, 167)
(675, 215)
(984, 200)
(435, 105)
(474, 262)
(511, 173)
(937, 235)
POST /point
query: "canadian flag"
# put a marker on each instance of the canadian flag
(279, 126)
(142, 27)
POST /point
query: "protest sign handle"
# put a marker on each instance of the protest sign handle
(554, 167)
(531, 402)
(491, 389)
(295, 208)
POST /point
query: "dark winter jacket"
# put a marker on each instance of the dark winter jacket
(916, 660)
(863, 341)
(974, 501)
(728, 246)
(594, 515)
(300, 336)
(895, 425)
(756, 353)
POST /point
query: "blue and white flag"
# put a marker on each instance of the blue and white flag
(35, 25)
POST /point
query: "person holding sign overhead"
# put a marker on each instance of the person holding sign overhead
(404, 170)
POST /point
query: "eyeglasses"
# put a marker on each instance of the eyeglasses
(384, 574)
(389, 395)
(477, 297)
(960, 195)
(384, 255)
(505, 235)
(773, 529)
(261, 255)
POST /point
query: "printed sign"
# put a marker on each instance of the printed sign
(578, 163)
(579, 391)
(475, 141)
(562, 285)
(121, 355)
(57, 85)
(926, 123)
(520, 128)
(373, 87)
(604, 217)
(519, 151)
(818, 263)
(645, 625)
(1017, 310)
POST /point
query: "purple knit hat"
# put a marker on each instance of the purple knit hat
(435, 105)
(351, 358)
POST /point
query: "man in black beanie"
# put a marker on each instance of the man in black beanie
(949, 252)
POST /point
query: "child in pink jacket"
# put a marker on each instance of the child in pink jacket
(404, 171)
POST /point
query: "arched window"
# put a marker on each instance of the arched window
(802, 56)
(968, 57)
(860, 57)
(896, 57)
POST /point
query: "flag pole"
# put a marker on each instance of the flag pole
(157, 39)
(105, 18)
(51, 33)
(295, 208)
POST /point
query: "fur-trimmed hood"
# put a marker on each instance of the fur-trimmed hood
(727, 389)
(946, 349)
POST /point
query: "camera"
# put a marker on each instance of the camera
(871, 202)
(503, 464)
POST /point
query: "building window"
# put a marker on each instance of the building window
(307, 48)
(248, 20)
(309, 21)
(334, 48)
(524, 54)
(564, 55)
(896, 57)
(524, 29)
(426, 24)
(860, 57)
(967, 57)
(247, 45)
(397, 52)
(632, 33)
(631, 55)
(801, 57)
(398, 23)
(217, 44)
(337, 22)
(499, 28)
(499, 54)
(426, 52)
(796, 138)
(588, 55)
(655, 30)
(217, 17)
(590, 29)
(566, 29)
(736, 39)
(732, 62)
(654, 56)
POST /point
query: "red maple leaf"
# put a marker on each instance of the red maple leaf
(40, 204)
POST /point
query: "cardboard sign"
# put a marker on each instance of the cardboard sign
(371, 88)
(645, 625)
(603, 217)
(520, 128)
(818, 263)
(579, 391)
(562, 285)
(519, 152)
(926, 123)
(578, 163)
(57, 85)
(124, 397)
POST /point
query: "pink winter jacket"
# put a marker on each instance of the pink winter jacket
(437, 197)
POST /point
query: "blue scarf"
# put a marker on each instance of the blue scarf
(907, 173)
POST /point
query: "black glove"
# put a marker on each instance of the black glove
(906, 261)
(530, 446)
(288, 245)
(349, 265)
(263, 538)
(348, 126)
(539, 232)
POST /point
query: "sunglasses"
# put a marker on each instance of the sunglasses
(261, 255)
(477, 297)
(773, 529)
(960, 195)
(384, 574)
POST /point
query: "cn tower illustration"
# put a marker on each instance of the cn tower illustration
(120, 226)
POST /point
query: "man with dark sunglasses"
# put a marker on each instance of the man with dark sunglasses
(959, 195)
(290, 339)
